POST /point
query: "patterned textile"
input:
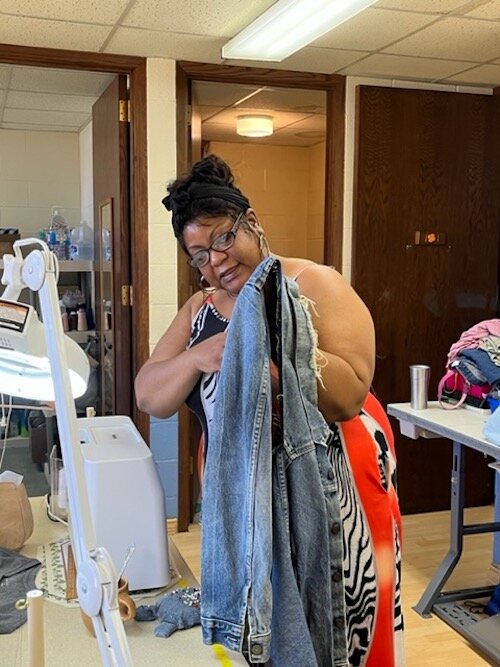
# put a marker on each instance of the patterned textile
(363, 456)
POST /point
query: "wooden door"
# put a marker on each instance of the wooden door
(426, 162)
(110, 140)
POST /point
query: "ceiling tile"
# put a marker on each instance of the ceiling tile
(454, 39)
(488, 75)
(89, 11)
(284, 138)
(208, 111)
(51, 34)
(490, 11)
(225, 95)
(36, 127)
(220, 94)
(224, 133)
(432, 6)
(283, 119)
(151, 43)
(301, 100)
(203, 17)
(373, 29)
(314, 59)
(49, 102)
(36, 117)
(405, 67)
(68, 82)
(314, 123)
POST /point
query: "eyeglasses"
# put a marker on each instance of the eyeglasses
(221, 243)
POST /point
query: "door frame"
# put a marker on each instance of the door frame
(334, 87)
(135, 68)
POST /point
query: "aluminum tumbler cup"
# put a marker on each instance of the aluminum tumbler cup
(419, 376)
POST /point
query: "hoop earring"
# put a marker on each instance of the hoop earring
(203, 283)
(256, 228)
(264, 245)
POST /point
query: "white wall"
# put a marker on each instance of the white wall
(275, 179)
(86, 175)
(38, 170)
(161, 169)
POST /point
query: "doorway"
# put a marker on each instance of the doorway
(135, 69)
(283, 173)
(189, 147)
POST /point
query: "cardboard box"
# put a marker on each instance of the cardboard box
(7, 243)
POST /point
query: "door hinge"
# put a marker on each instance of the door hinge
(189, 114)
(127, 295)
(124, 111)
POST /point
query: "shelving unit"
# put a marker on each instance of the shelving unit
(83, 272)
(81, 337)
(73, 275)
(70, 266)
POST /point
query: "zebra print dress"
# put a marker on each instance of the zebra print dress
(362, 454)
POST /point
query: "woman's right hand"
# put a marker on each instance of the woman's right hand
(208, 354)
(169, 375)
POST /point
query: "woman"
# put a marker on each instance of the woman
(221, 235)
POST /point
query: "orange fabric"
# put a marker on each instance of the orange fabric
(381, 509)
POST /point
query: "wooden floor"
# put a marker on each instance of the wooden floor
(428, 642)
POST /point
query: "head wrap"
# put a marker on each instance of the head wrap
(204, 191)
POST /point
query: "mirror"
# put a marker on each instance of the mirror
(104, 304)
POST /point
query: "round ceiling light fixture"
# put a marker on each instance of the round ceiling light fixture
(254, 125)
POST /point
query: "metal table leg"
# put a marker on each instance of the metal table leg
(433, 590)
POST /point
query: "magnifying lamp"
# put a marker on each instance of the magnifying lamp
(38, 361)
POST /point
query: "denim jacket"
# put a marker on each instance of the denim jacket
(271, 542)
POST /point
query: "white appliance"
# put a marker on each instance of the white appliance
(126, 499)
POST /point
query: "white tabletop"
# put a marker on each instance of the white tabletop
(67, 641)
(460, 425)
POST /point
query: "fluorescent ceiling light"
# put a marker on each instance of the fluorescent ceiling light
(288, 26)
(254, 126)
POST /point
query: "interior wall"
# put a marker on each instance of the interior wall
(282, 185)
(86, 178)
(162, 167)
(38, 170)
(315, 224)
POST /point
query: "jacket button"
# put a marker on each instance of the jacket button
(256, 649)
(339, 622)
(335, 528)
(330, 474)
(337, 575)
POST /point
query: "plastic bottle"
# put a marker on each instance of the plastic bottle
(82, 319)
(64, 316)
(82, 242)
(73, 320)
(60, 244)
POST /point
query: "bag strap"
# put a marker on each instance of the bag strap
(447, 376)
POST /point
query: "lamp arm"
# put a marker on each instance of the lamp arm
(97, 583)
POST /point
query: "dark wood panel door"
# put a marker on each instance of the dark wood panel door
(111, 162)
(426, 162)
